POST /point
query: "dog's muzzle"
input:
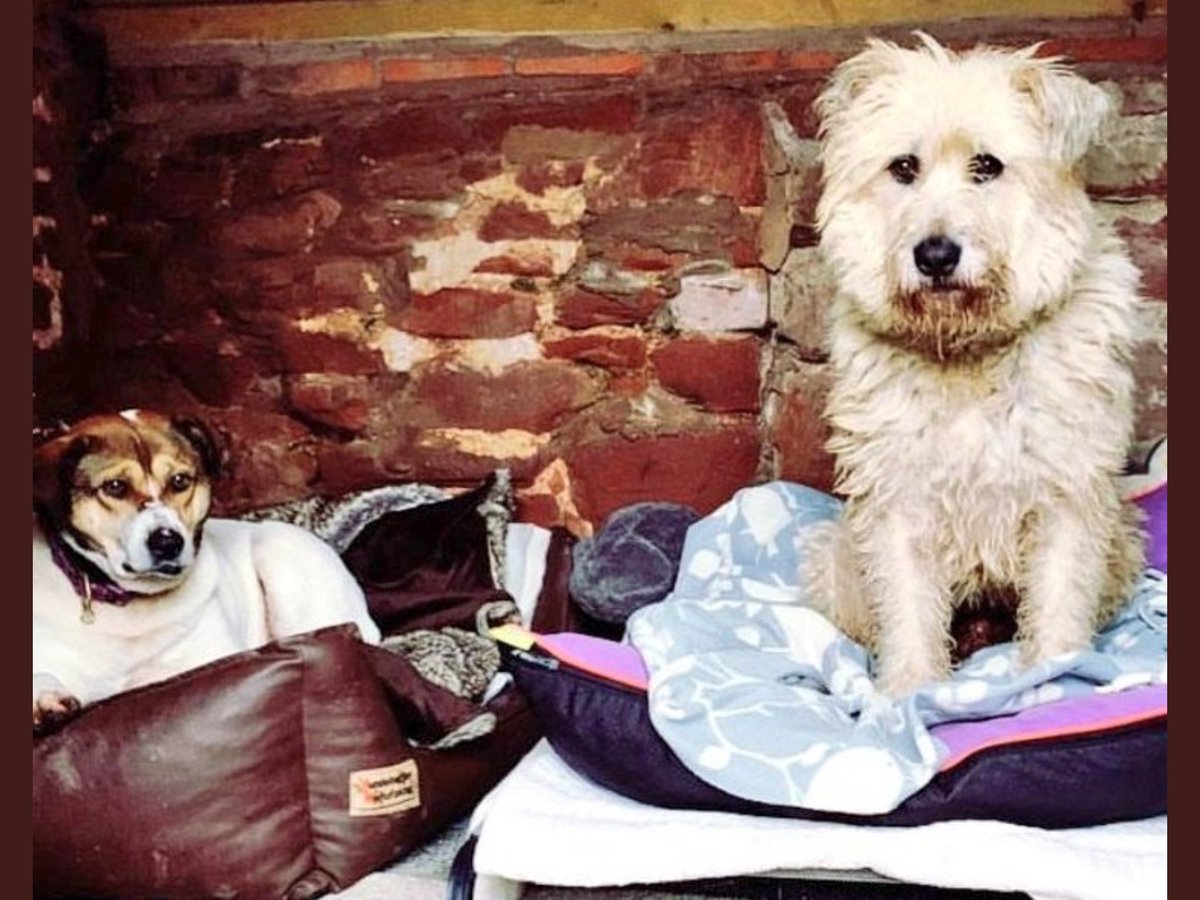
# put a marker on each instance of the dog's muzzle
(156, 544)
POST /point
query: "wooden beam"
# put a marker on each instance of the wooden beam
(371, 20)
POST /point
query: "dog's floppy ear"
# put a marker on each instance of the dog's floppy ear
(54, 465)
(879, 59)
(201, 439)
(1072, 110)
(854, 74)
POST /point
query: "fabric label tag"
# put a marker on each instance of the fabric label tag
(379, 792)
(514, 636)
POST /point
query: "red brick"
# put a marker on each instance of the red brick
(536, 178)
(320, 77)
(448, 465)
(520, 264)
(535, 396)
(1149, 49)
(422, 130)
(337, 402)
(408, 70)
(275, 284)
(645, 259)
(356, 465)
(798, 434)
(301, 351)
(359, 283)
(689, 224)
(434, 177)
(719, 375)
(466, 313)
(285, 167)
(1150, 396)
(374, 227)
(212, 377)
(470, 129)
(549, 500)
(196, 82)
(289, 226)
(629, 384)
(749, 61)
(269, 458)
(585, 309)
(712, 148)
(190, 190)
(603, 64)
(702, 469)
(608, 113)
(1147, 244)
(514, 221)
(133, 378)
(133, 86)
(717, 65)
(810, 60)
(537, 509)
(609, 351)
(475, 167)
(797, 101)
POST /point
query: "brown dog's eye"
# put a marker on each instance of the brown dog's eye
(180, 482)
(115, 488)
(905, 168)
(984, 167)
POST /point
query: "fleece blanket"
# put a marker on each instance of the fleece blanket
(762, 697)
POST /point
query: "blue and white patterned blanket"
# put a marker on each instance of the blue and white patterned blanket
(765, 699)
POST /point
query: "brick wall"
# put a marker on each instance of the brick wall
(593, 264)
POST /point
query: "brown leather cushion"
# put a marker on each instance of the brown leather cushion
(237, 779)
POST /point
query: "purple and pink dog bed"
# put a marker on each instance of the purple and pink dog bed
(1073, 763)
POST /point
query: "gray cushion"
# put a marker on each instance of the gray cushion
(631, 562)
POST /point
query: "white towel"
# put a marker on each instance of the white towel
(545, 824)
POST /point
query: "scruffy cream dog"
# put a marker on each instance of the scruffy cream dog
(981, 400)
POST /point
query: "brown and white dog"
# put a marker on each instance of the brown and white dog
(133, 583)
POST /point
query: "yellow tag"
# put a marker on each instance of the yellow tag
(514, 636)
(378, 792)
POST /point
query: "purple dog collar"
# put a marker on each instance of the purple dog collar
(89, 582)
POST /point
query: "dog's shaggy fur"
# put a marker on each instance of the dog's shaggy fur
(982, 398)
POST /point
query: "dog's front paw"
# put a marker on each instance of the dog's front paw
(900, 681)
(1037, 650)
(52, 709)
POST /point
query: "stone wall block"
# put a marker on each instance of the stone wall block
(722, 301)
(719, 374)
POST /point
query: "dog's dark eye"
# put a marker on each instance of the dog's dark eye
(115, 488)
(180, 482)
(984, 167)
(905, 168)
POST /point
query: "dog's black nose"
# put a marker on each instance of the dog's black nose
(164, 544)
(937, 256)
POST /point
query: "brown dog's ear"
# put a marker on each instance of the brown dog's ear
(54, 465)
(201, 439)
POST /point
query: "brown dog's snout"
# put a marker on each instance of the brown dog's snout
(164, 544)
